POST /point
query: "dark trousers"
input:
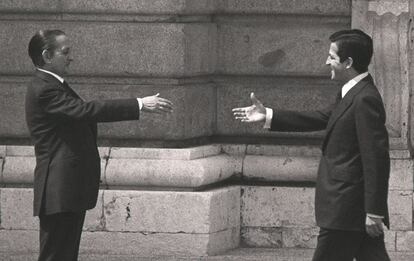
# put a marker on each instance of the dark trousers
(337, 245)
(60, 236)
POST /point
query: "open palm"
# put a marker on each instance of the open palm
(254, 113)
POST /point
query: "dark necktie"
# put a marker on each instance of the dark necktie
(338, 96)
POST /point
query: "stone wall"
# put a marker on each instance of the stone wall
(206, 56)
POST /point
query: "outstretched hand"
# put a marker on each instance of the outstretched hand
(156, 104)
(254, 113)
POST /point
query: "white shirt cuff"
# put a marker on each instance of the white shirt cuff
(140, 103)
(374, 216)
(269, 116)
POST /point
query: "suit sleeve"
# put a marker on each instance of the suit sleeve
(301, 121)
(59, 103)
(374, 149)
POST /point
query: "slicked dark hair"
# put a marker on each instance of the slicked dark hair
(355, 44)
(42, 40)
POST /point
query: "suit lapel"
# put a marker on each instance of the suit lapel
(69, 89)
(344, 104)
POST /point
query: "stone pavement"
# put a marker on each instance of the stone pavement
(241, 254)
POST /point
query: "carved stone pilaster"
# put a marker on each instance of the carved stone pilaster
(387, 21)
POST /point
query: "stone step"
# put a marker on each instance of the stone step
(240, 254)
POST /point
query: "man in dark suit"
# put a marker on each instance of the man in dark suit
(63, 128)
(352, 182)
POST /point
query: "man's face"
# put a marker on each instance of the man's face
(337, 68)
(60, 58)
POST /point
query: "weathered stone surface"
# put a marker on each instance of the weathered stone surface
(19, 241)
(193, 115)
(277, 207)
(137, 244)
(16, 209)
(400, 154)
(275, 93)
(158, 244)
(401, 176)
(272, 45)
(405, 241)
(390, 70)
(234, 149)
(1, 170)
(141, 7)
(280, 168)
(300, 237)
(19, 170)
(24, 151)
(95, 219)
(170, 154)
(172, 212)
(390, 238)
(279, 237)
(125, 49)
(171, 173)
(29, 6)
(2, 151)
(317, 7)
(104, 152)
(13, 124)
(284, 150)
(261, 237)
(401, 209)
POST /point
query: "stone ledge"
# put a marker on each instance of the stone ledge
(22, 151)
(169, 154)
(198, 166)
(284, 150)
(315, 7)
(145, 7)
(18, 170)
(312, 7)
(171, 173)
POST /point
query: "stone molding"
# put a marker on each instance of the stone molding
(195, 167)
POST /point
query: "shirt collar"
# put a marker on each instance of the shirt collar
(348, 86)
(53, 74)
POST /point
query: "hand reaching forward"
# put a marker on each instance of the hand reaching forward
(253, 113)
(156, 104)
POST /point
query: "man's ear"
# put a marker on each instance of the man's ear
(46, 56)
(349, 62)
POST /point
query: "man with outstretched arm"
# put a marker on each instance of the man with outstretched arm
(63, 128)
(352, 182)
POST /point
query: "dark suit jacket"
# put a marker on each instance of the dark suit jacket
(354, 169)
(63, 128)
